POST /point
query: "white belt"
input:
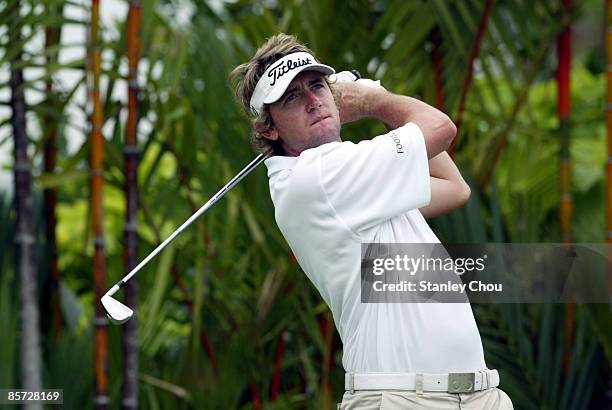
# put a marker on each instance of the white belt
(423, 382)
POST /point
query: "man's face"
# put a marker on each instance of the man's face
(306, 115)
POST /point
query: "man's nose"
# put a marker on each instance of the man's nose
(312, 101)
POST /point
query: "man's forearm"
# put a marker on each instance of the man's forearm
(448, 188)
(356, 101)
(443, 167)
(396, 110)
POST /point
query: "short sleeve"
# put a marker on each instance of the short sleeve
(375, 180)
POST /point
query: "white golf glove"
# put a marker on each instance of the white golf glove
(349, 76)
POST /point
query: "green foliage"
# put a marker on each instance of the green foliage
(212, 305)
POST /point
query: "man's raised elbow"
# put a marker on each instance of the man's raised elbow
(444, 131)
(440, 134)
(464, 193)
(449, 130)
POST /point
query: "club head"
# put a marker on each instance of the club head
(116, 311)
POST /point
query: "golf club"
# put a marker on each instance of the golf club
(116, 311)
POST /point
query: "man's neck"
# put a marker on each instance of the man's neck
(291, 152)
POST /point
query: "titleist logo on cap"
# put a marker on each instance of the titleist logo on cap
(284, 67)
(277, 77)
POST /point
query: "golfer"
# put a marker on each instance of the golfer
(331, 196)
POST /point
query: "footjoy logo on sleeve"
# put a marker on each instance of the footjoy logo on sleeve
(398, 143)
(283, 68)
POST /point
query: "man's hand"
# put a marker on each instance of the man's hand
(352, 97)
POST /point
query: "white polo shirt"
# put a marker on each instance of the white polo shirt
(332, 198)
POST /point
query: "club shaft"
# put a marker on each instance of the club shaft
(250, 167)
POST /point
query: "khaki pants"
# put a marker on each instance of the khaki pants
(491, 399)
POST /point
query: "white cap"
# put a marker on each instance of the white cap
(275, 80)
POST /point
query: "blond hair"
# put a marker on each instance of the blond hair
(245, 77)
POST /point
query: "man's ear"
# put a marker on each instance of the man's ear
(268, 132)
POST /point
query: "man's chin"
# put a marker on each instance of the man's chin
(321, 139)
(328, 131)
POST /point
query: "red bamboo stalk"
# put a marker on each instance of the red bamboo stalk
(482, 26)
(101, 400)
(50, 194)
(326, 360)
(205, 342)
(255, 397)
(278, 361)
(437, 63)
(130, 254)
(566, 200)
